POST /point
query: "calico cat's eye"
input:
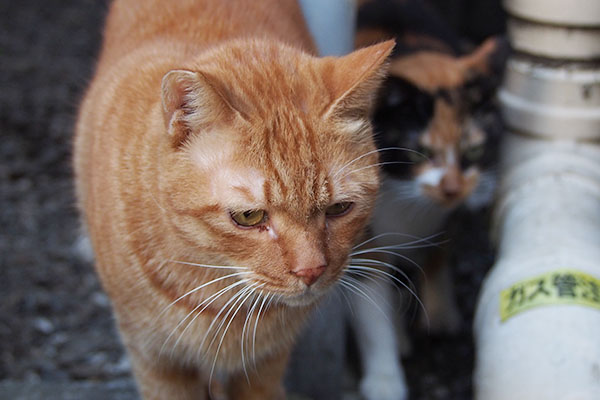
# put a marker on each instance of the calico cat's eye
(421, 154)
(478, 92)
(338, 209)
(474, 153)
(249, 218)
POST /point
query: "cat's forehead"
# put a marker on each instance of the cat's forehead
(242, 186)
(268, 77)
(445, 77)
(296, 165)
(288, 148)
(445, 127)
(446, 130)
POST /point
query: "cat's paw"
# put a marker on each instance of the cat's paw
(384, 387)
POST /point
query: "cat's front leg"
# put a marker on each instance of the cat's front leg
(263, 382)
(443, 315)
(373, 321)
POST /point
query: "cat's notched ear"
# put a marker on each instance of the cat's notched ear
(352, 80)
(191, 101)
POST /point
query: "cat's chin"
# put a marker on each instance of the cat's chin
(308, 297)
(449, 205)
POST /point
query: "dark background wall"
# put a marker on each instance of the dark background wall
(473, 19)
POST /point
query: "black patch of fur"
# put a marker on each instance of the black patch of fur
(399, 17)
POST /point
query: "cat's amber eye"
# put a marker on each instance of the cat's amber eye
(249, 218)
(338, 209)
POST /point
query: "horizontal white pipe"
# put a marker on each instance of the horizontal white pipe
(563, 12)
(552, 101)
(553, 41)
(549, 121)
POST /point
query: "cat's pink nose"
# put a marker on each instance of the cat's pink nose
(451, 192)
(309, 275)
(451, 185)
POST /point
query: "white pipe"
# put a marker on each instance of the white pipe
(554, 41)
(548, 222)
(537, 325)
(552, 102)
(576, 13)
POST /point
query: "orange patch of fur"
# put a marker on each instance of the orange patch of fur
(430, 70)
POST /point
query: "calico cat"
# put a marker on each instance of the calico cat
(223, 173)
(436, 155)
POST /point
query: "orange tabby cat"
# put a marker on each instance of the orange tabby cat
(224, 174)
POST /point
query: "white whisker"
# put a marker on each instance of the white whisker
(416, 240)
(246, 332)
(373, 152)
(352, 285)
(233, 299)
(379, 164)
(410, 288)
(157, 203)
(250, 291)
(260, 309)
(342, 292)
(199, 288)
(206, 303)
(398, 247)
(353, 161)
(370, 276)
(382, 272)
(391, 266)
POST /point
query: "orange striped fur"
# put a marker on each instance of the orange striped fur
(200, 110)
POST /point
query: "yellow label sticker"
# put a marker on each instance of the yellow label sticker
(557, 287)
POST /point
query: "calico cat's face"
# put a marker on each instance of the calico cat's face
(278, 186)
(430, 105)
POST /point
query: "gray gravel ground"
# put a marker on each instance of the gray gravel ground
(57, 336)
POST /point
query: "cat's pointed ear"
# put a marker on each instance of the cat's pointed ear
(352, 80)
(488, 58)
(191, 100)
